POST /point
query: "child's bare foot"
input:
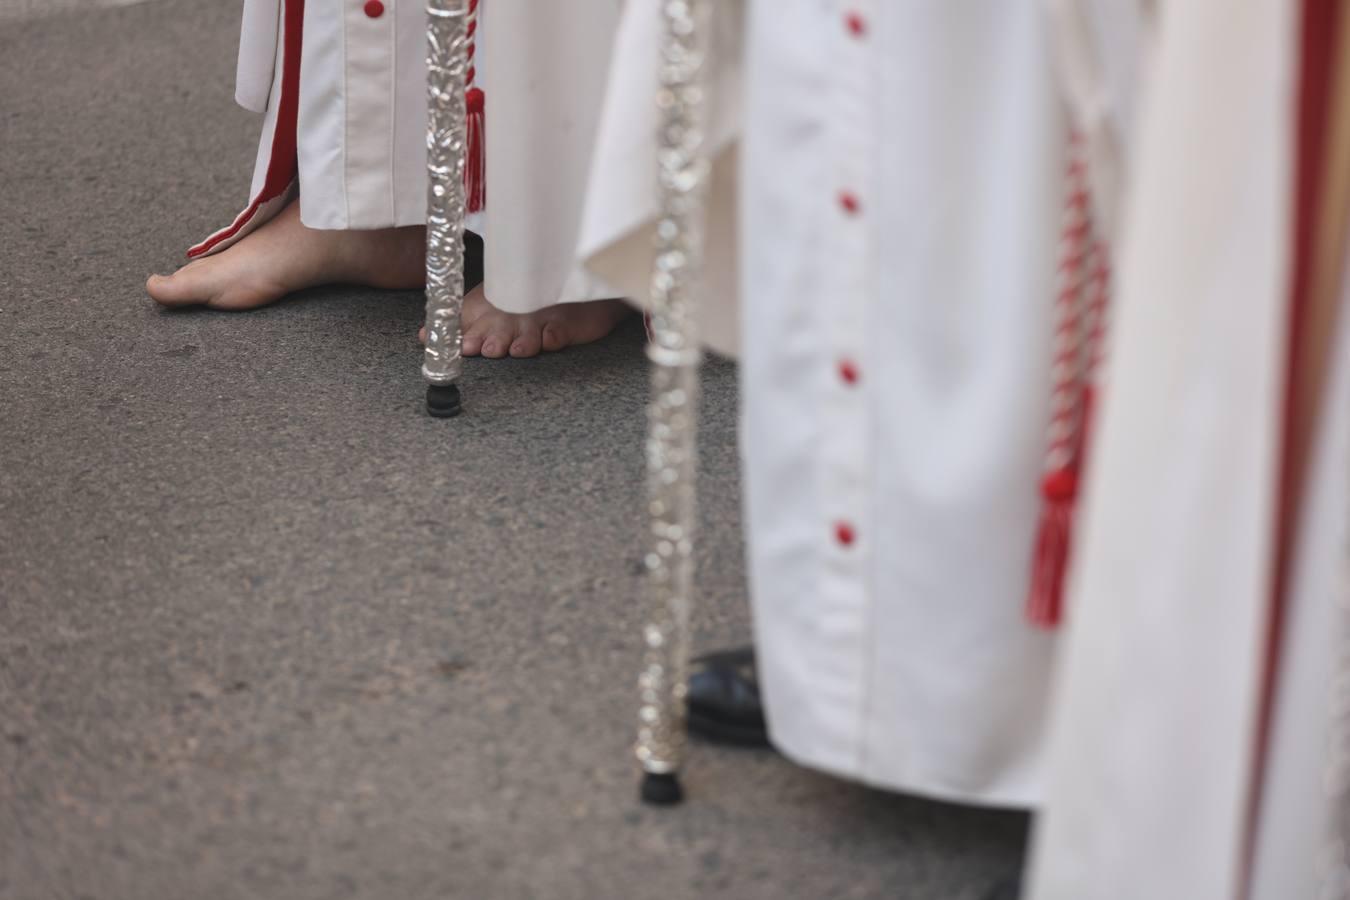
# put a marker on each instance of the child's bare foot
(492, 333)
(284, 256)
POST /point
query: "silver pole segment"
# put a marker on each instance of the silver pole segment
(672, 411)
(447, 66)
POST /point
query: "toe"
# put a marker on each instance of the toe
(497, 337)
(528, 342)
(472, 342)
(495, 345)
(173, 290)
(554, 336)
(422, 335)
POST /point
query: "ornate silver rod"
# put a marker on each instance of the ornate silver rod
(447, 66)
(672, 411)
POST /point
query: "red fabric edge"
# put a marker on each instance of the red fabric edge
(1317, 38)
(281, 164)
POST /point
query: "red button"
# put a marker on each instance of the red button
(843, 533)
(849, 201)
(374, 9)
(848, 371)
(857, 25)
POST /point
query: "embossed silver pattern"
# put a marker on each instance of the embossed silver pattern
(447, 67)
(672, 411)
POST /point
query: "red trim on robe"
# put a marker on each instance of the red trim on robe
(282, 166)
(1317, 42)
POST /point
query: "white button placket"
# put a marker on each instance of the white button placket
(849, 255)
(370, 95)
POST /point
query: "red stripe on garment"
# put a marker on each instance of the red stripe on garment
(1317, 54)
(281, 164)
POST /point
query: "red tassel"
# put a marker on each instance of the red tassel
(475, 176)
(1045, 603)
(1080, 310)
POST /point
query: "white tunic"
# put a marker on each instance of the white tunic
(618, 228)
(899, 184)
(1298, 851)
(901, 211)
(1153, 748)
(1103, 50)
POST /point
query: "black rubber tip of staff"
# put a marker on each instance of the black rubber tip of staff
(661, 790)
(443, 401)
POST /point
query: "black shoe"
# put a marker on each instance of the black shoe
(723, 699)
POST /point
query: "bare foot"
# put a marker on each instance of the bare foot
(492, 333)
(284, 256)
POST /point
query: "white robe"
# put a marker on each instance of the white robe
(901, 659)
(1298, 849)
(1153, 751)
(618, 230)
(1103, 51)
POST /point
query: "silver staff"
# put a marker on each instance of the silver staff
(447, 66)
(672, 411)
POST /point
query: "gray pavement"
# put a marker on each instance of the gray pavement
(266, 631)
(11, 10)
